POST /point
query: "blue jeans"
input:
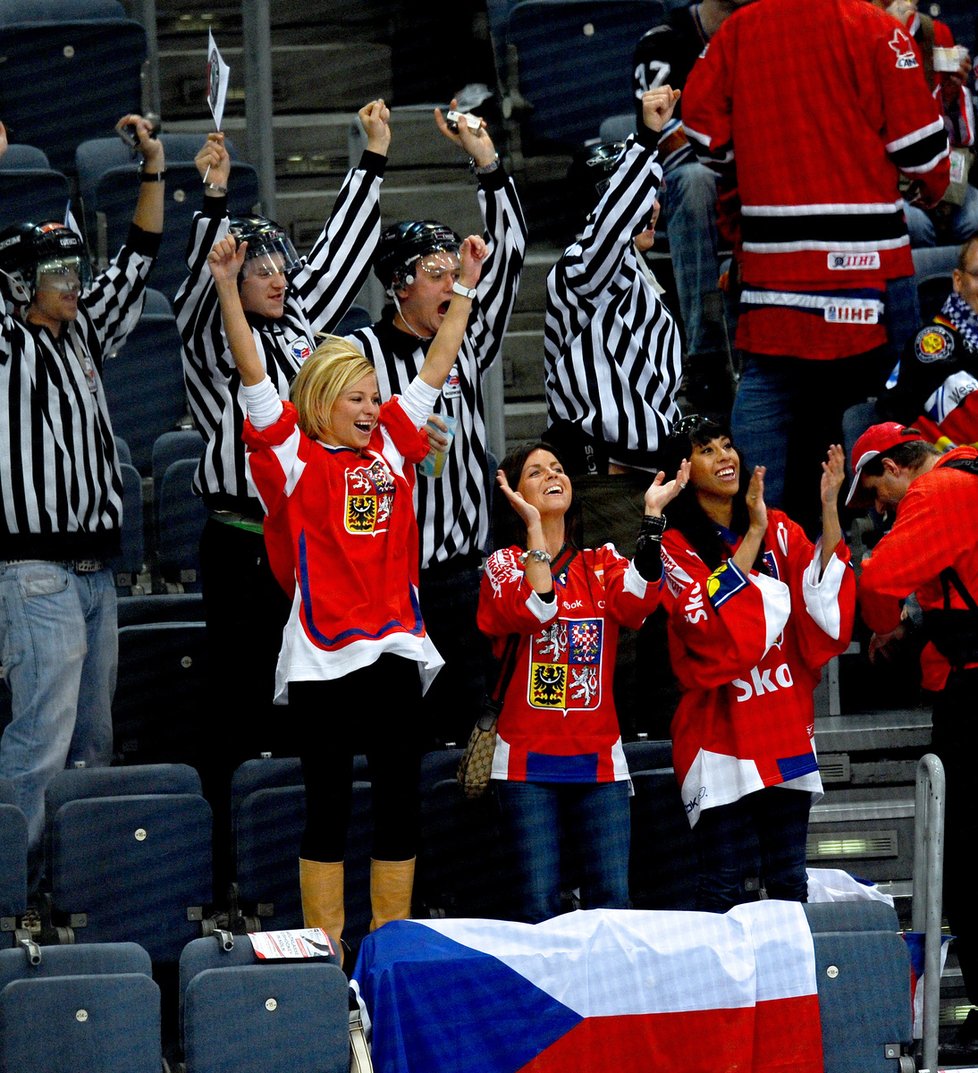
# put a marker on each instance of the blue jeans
(60, 652)
(593, 817)
(962, 223)
(762, 834)
(688, 199)
(787, 412)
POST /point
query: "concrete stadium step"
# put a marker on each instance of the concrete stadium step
(523, 365)
(305, 77)
(871, 836)
(908, 728)
(323, 143)
(533, 283)
(524, 421)
(304, 211)
(367, 18)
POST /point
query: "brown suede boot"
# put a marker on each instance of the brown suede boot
(391, 884)
(321, 884)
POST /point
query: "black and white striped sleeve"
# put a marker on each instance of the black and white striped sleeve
(505, 234)
(339, 261)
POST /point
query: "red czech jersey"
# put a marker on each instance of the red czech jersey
(342, 538)
(558, 722)
(812, 112)
(748, 653)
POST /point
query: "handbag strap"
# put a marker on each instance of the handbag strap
(506, 667)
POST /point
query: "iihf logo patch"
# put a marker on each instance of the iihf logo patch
(299, 350)
(853, 262)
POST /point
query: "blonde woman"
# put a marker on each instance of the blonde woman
(335, 472)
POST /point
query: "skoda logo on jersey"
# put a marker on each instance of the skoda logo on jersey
(299, 349)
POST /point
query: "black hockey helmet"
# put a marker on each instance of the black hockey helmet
(265, 239)
(29, 251)
(403, 243)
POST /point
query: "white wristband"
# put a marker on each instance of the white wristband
(465, 292)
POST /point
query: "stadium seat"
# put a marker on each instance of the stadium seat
(647, 754)
(932, 292)
(30, 189)
(662, 867)
(181, 516)
(91, 1007)
(862, 914)
(130, 855)
(70, 69)
(128, 564)
(863, 999)
(464, 864)
(106, 182)
(143, 383)
(161, 697)
(355, 317)
(268, 824)
(554, 41)
(172, 446)
(242, 1015)
(13, 865)
(140, 610)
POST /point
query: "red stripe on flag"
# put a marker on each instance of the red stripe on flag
(781, 1036)
(701, 1041)
(788, 1036)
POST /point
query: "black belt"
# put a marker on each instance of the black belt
(76, 566)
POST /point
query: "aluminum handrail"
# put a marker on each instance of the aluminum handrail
(928, 873)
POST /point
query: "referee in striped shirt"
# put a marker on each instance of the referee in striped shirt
(61, 486)
(611, 348)
(613, 367)
(417, 263)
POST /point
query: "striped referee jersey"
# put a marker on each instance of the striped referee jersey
(319, 293)
(453, 510)
(60, 481)
(612, 355)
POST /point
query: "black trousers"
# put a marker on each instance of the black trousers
(375, 710)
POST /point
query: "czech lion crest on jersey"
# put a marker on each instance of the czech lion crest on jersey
(369, 498)
(565, 665)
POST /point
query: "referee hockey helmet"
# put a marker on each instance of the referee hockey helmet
(267, 241)
(29, 251)
(403, 243)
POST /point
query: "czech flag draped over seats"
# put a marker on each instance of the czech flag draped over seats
(596, 990)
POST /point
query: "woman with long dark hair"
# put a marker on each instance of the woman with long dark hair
(755, 611)
(558, 766)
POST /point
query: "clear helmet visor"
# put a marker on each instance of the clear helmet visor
(269, 256)
(63, 275)
(438, 265)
